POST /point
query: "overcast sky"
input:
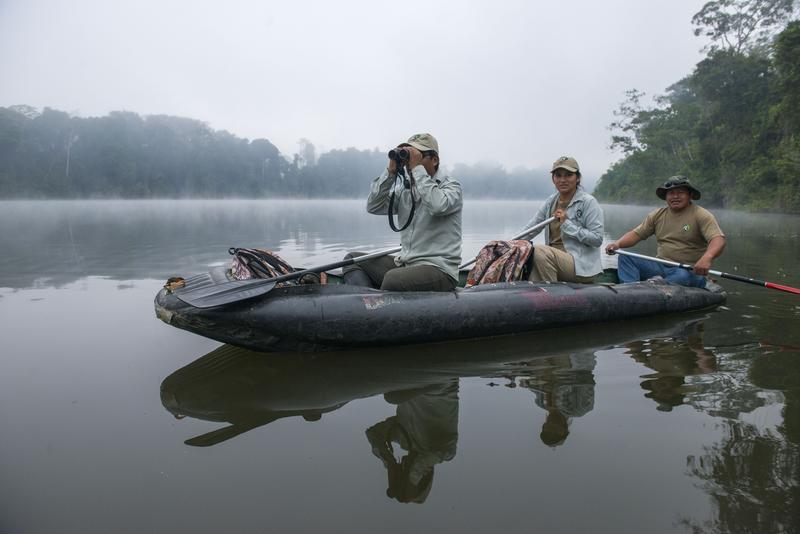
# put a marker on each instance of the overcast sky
(517, 82)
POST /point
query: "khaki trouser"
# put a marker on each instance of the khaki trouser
(555, 265)
(385, 274)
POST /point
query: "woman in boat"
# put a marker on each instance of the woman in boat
(571, 252)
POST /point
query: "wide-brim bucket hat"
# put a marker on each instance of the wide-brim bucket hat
(676, 182)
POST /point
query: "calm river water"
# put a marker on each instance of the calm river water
(113, 421)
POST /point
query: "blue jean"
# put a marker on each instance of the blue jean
(631, 269)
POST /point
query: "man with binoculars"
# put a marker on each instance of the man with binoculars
(428, 204)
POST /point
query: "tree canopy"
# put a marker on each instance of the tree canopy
(50, 154)
(732, 125)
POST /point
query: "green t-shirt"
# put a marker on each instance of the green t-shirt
(682, 236)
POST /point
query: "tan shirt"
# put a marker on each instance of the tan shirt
(682, 236)
(555, 227)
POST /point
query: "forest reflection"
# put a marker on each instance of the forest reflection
(752, 474)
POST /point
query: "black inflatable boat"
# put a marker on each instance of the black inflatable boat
(323, 317)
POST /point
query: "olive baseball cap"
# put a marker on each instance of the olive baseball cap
(566, 162)
(423, 142)
(676, 182)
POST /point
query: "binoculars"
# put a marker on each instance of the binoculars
(400, 155)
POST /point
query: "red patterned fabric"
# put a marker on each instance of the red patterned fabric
(500, 261)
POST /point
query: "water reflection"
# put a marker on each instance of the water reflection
(564, 388)
(734, 432)
(426, 428)
(753, 473)
(68, 240)
(57, 242)
(247, 390)
(779, 369)
(673, 360)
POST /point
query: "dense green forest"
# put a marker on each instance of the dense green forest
(50, 154)
(732, 125)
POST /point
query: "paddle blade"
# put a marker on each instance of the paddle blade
(207, 293)
(225, 293)
(779, 287)
(225, 433)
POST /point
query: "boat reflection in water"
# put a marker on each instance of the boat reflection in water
(249, 389)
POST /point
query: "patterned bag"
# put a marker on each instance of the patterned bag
(500, 261)
(250, 263)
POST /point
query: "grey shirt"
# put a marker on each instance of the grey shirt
(581, 231)
(434, 235)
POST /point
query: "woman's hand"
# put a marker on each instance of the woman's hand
(561, 215)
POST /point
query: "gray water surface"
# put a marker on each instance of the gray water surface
(113, 421)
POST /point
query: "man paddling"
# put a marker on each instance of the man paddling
(686, 233)
(428, 205)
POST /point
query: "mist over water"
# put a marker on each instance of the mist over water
(113, 421)
(125, 239)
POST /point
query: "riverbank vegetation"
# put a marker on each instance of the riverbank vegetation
(50, 154)
(732, 125)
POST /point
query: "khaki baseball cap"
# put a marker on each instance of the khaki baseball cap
(566, 162)
(423, 142)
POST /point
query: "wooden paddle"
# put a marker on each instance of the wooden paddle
(239, 290)
(736, 277)
(520, 236)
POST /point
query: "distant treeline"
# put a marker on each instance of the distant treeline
(732, 126)
(50, 154)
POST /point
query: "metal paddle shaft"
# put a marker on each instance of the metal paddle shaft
(736, 277)
(520, 236)
(239, 290)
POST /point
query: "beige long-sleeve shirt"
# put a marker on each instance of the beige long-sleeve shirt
(434, 235)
